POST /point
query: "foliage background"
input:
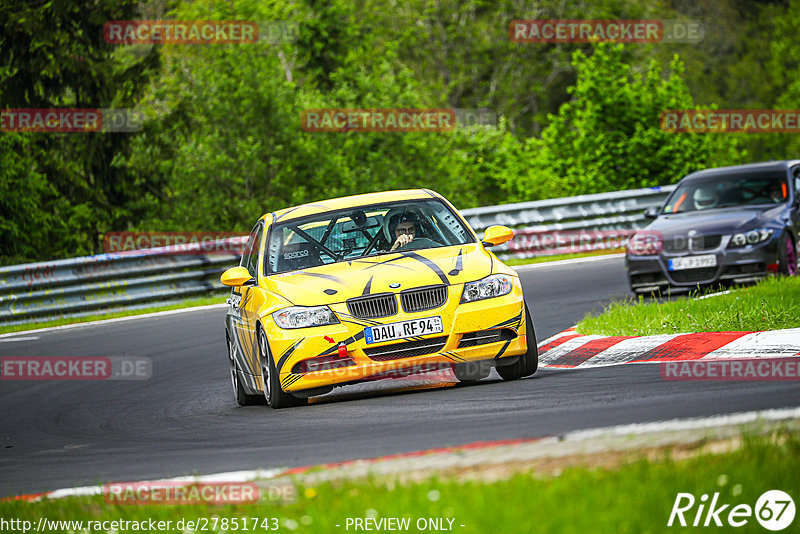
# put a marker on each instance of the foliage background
(222, 142)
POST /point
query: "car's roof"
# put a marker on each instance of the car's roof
(352, 202)
(766, 166)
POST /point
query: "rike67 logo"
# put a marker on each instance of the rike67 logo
(774, 510)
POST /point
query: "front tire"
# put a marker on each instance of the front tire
(276, 397)
(239, 393)
(787, 255)
(472, 371)
(528, 363)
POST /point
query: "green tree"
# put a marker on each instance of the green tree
(608, 136)
(53, 55)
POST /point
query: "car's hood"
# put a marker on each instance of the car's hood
(338, 282)
(715, 222)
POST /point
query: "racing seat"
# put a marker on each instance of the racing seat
(298, 256)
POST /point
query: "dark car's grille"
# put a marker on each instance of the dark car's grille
(648, 278)
(373, 306)
(695, 244)
(694, 275)
(416, 300)
(406, 349)
(484, 337)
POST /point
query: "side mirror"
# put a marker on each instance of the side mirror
(497, 235)
(237, 277)
(651, 212)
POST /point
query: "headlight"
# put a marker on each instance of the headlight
(753, 237)
(645, 243)
(495, 285)
(304, 317)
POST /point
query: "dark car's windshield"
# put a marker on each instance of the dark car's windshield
(358, 232)
(725, 191)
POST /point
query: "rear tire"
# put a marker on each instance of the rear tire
(787, 255)
(239, 393)
(528, 363)
(276, 397)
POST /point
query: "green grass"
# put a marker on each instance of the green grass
(636, 496)
(188, 303)
(770, 305)
(543, 259)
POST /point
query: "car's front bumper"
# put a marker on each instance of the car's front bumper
(503, 316)
(734, 265)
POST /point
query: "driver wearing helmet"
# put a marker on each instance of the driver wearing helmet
(400, 227)
(704, 198)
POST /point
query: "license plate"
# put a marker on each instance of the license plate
(693, 262)
(403, 329)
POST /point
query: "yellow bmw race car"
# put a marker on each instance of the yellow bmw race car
(381, 285)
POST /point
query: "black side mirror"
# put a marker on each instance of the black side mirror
(651, 212)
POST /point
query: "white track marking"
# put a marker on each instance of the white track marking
(627, 350)
(488, 453)
(557, 263)
(115, 320)
(12, 340)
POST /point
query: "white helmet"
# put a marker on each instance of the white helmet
(704, 198)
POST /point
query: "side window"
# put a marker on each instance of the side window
(796, 173)
(250, 255)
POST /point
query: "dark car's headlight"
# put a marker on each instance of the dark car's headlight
(495, 285)
(753, 237)
(304, 317)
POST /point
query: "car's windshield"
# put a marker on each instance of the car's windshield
(353, 233)
(725, 191)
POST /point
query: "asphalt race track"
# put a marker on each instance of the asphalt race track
(184, 419)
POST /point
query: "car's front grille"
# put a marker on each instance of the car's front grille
(373, 306)
(694, 275)
(648, 278)
(416, 300)
(484, 337)
(406, 349)
(746, 268)
(695, 244)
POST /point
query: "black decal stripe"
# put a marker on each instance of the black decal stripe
(502, 350)
(325, 276)
(458, 268)
(288, 352)
(290, 379)
(315, 205)
(453, 356)
(368, 287)
(432, 266)
(516, 320)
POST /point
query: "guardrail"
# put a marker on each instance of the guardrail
(573, 224)
(88, 285)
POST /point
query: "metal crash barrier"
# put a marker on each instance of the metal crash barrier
(128, 280)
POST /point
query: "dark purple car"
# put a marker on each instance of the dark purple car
(731, 224)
